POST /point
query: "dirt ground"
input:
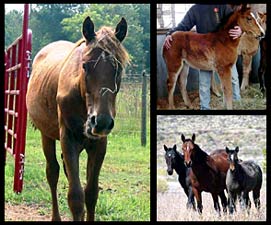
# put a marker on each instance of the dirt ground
(252, 99)
(26, 213)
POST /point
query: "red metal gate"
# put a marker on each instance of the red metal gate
(17, 70)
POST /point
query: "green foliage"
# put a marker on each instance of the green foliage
(13, 26)
(52, 22)
(264, 162)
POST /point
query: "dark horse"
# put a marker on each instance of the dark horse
(263, 61)
(71, 98)
(208, 172)
(242, 177)
(175, 160)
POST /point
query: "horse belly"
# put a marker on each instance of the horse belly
(42, 88)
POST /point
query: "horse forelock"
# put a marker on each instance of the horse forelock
(107, 41)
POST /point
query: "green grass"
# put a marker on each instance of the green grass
(125, 175)
(124, 180)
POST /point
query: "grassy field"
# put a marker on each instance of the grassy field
(124, 179)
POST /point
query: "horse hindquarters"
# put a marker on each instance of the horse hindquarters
(175, 66)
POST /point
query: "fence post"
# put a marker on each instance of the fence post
(144, 109)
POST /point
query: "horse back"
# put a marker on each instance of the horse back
(43, 85)
(253, 173)
(220, 158)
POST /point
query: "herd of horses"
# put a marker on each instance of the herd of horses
(217, 52)
(215, 172)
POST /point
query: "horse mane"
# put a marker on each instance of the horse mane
(230, 21)
(107, 41)
(201, 155)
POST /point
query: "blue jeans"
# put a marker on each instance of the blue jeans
(205, 85)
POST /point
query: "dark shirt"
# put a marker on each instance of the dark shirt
(206, 18)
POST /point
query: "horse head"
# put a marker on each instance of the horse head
(187, 147)
(232, 157)
(170, 156)
(104, 59)
(249, 23)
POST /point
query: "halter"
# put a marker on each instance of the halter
(114, 63)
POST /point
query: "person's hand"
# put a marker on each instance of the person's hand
(236, 32)
(167, 42)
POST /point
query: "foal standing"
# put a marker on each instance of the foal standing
(242, 177)
(212, 51)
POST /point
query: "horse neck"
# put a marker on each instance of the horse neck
(179, 165)
(199, 160)
(237, 172)
(224, 31)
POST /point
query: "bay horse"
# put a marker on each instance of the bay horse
(175, 161)
(215, 51)
(71, 97)
(242, 177)
(208, 172)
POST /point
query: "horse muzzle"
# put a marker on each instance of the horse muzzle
(169, 172)
(188, 163)
(99, 125)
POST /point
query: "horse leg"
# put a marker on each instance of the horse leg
(71, 152)
(191, 198)
(223, 201)
(260, 77)
(174, 70)
(96, 152)
(197, 194)
(225, 78)
(182, 84)
(247, 200)
(214, 86)
(216, 203)
(256, 198)
(231, 201)
(52, 172)
(247, 59)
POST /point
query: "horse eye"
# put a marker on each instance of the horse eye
(249, 18)
(85, 66)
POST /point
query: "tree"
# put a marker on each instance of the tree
(13, 26)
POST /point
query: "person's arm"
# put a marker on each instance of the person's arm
(185, 25)
(236, 32)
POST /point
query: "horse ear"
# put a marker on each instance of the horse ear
(243, 7)
(88, 30)
(121, 30)
(165, 147)
(227, 149)
(237, 149)
(175, 148)
(193, 137)
(183, 138)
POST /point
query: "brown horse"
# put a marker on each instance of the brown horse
(71, 98)
(208, 172)
(212, 51)
(248, 47)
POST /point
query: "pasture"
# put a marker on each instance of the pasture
(212, 132)
(124, 180)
